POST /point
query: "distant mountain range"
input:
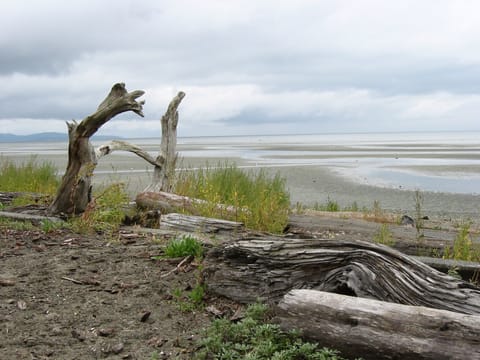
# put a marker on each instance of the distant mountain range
(45, 136)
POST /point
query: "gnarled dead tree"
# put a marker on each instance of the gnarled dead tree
(74, 192)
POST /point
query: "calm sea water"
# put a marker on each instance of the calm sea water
(440, 162)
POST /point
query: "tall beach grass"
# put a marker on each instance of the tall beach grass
(261, 202)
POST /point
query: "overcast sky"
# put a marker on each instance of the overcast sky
(247, 67)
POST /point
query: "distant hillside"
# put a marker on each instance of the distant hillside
(46, 136)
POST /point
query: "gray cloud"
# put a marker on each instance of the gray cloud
(245, 65)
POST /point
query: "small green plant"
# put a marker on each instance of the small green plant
(384, 236)
(189, 301)
(254, 338)
(454, 273)
(463, 247)
(105, 212)
(50, 226)
(184, 246)
(330, 205)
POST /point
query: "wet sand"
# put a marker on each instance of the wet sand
(310, 185)
(309, 182)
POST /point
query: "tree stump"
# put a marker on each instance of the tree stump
(74, 193)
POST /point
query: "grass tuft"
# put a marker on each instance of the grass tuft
(262, 202)
(184, 246)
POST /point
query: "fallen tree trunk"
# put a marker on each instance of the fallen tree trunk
(374, 329)
(268, 267)
(168, 203)
(198, 224)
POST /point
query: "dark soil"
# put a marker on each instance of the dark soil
(70, 296)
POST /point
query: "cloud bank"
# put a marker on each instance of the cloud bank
(247, 67)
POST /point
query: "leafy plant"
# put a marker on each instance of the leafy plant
(254, 338)
(261, 202)
(184, 246)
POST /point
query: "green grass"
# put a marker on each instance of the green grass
(105, 213)
(184, 246)
(384, 236)
(463, 247)
(330, 205)
(262, 202)
(254, 338)
(28, 177)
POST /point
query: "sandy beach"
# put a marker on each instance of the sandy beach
(346, 168)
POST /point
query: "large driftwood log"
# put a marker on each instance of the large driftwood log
(198, 223)
(169, 202)
(74, 192)
(267, 268)
(379, 330)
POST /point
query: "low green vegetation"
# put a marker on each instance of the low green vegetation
(384, 236)
(463, 247)
(192, 300)
(255, 339)
(105, 213)
(184, 246)
(259, 201)
(28, 177)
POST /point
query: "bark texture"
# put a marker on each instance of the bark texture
(74, 192)
(268, 267)
(168, 203)
(164, 171)
(374, 329)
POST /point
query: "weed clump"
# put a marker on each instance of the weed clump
(184, 246)
(254, 338)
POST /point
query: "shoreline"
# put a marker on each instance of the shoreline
(314, 184)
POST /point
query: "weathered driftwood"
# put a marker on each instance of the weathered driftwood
(374, 329)
(198, 223)
(268, 267)
(468, 270)
(164, 170)
(74, 193)
(169, 202)
(116, 145)
(28, 217)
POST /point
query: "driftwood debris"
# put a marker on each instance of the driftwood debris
(169, 202)
(74, 193)
(268, 267)
(198, 223)
(164, 171)
(375, 329)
